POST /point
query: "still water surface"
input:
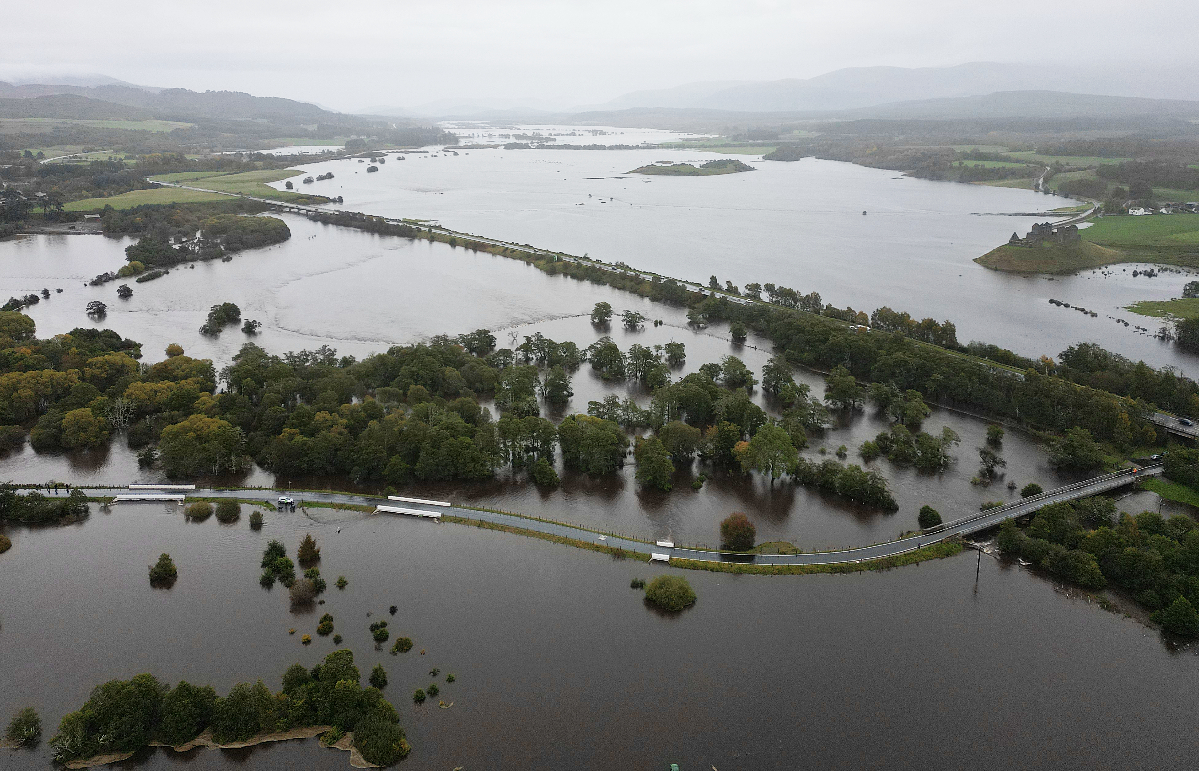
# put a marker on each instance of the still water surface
(797, 224)
(559, 665)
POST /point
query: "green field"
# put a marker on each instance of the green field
(1179, 308)
(21, 125)
(1022, 184)
(1149, 232)
(1065, 160)
(994, 164)
(253, 183)
(161, 195)
(980, 148)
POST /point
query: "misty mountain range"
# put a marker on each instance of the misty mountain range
(979, 90)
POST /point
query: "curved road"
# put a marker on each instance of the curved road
(972, 523)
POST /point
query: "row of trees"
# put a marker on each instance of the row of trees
(127, 715)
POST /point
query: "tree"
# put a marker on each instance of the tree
(601, 313)
(1179, 618)
(771, 452)
(670, 593)
(738, 332)
(928, 517)
(995, 435)
(1030, 489)
(592, 445)
(734, 374)
(737, 533)
(654, 467)
(97, 309)
(174, 349)
(632, 320)
(680, 440)
(776, 374)
(378, 678)
(842, 390)
(227, 511)
(201, 445)
(309, 552)
(991, 462)
(1076, 451)
(676, 353)
(124, 292)
(82, 429)
(186, 712)
(163, 572)
(556, 388)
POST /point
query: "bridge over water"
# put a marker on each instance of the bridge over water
(971, 523)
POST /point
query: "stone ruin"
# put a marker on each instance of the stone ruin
(1044, 232)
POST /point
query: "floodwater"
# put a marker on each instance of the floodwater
(559, 665)
(795, 224)
(781, 511)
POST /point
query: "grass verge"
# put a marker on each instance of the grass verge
(159, 195)
(1179, 308)
(1172, 491)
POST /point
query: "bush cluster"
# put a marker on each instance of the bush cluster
(277, 566)
(124, 716)
(1155, 559)
(163, 572)
(228, 511)
(671, 593)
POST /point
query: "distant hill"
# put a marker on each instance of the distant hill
(182, 104)
(70, 106)
(856, 88)
(1031, 104)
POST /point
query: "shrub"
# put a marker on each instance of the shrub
(119, 716)
(380, 634)
(392, 610)
(305, 639)
(337, 639)
(1030, 489)
(325, 627)
(432, 690)
(308, 552)
(342, 583)
(256, 520)
(418, 696)
(247, 711)
(671, 593)
(314, 575)
(24, 728)
(267, 579)
(401, 645)
(450, 678)
(434, 672)
(737, 533)
(228, 511)
(928, 517)
(302, 592)
(273, 551)
(380, 740)
(1180, 618)
(186, 711)
(542, 474)
(378, 678)
(163, 572)
(199, 511)
(637, 583)
(5, 543)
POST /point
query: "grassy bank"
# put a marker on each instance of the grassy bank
(252, 183)
(1049, 258)
(933, 551)
(1172, 491)
(709, 169)
(1179, 308)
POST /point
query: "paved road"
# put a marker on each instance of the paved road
(1171, 424)
(971, 523)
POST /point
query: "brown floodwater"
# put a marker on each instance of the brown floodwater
(559, 664)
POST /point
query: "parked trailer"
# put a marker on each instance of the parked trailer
(665, 544)
(417, 500)
(659, 557)
(410, 512)
(129, 497)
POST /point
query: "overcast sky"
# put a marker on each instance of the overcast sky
(351, 54)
